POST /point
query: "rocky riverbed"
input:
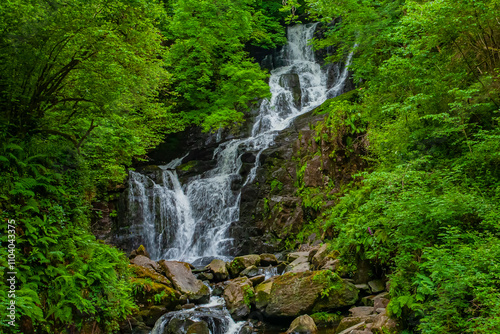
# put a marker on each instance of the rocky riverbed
(299, 292)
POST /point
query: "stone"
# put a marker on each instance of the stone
(384, 325)
(330, 264)
(239, 296)
(240, 263)
(294, 294)
(300, 264)
(141, 260)
(368, 300)
(361, 311)
(350, 323)
(262, 294)
(206, 276)
(251, 271)
(363, 287)
(218, 289)
(147, 272)
(199, 327)
(256, 280)
(326, 320)
(377, 285)
(179, 273)
(268, 260)
(313, 174)
(380, 303)
(302, 325)
(295, 255)
(218, 268)
(318, 256)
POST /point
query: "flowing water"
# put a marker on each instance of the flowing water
(190, 221)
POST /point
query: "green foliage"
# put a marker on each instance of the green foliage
(64, 276)
(428, 210)
(213, 81)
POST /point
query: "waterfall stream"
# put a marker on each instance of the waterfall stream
(189, 222)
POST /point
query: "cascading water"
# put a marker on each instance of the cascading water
(189, 222)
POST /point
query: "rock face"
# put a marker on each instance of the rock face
(294, 294)
(271, 207)
(302, 325)
(179, 273)
(239, 295)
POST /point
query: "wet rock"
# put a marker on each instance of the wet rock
(268, 260)
(179, 273)
(239, 295)
(251, 271)
(206, 276)
(258, 279)
(377, 286)
(294, 294)
(241, 262)
(292, 82)
(141, 260)
(200, 327)
(218, 268)
(302, 325)
(151, 314)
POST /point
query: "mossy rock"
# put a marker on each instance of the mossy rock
(147, 292)
(326, 320)
(143, 272)
(239, 264)
(188, 165)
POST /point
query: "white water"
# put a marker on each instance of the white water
(190, 221)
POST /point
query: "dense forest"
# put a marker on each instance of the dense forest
(88, 88)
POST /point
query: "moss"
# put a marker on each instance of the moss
(326, 320)
(351, 96)
(188, 165)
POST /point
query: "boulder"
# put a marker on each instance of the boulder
(256, 280)
(299, 264)
(241, 262)
(295, 255)
(200, 327)
(143, 261)
(377, 285)
(218, 268)
(302, 325)
(179, 273)
(268, 260)
(330, 264)
(294, 294)
(384, 325)
(361, 311)
(139, 251)
(326, 320)
(147, 272)
(239, 295)
(251, 271)
(263, 293)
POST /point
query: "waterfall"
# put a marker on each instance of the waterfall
(189, 222)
